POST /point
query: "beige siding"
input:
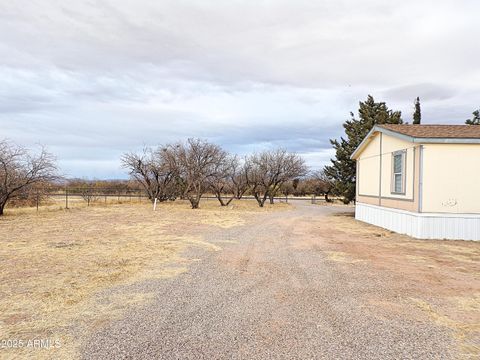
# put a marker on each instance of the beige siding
(368, 169)
(369, 164)
(451, 178)
(372, 200)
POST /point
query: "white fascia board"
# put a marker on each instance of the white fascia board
(364, 142)
(395, 134)
(375, 129)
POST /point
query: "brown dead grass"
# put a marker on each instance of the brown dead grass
(466, 333)
(54, 262)
(342, 257)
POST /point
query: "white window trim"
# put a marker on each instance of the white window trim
(403, 173)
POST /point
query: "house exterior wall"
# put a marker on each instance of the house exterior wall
(389, 146)
(374, 173)
(368, 167)
(451, 178)
(442, 193)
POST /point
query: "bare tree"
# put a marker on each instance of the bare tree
(322, 184)
(267, 171)
(152, 169)
(196, 162)
(239, 180)
(21, 171)
(287, 189)
(88, 193)
(222, 183)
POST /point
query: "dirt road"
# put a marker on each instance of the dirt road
(304, 284)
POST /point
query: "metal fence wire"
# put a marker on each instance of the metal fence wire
(105, 194)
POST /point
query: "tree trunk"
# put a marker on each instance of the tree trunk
(1, 209)
(326, 197)
(260, 201)
(240, 194)
(195, 201)
(264, 199)
(271, 199)
(219, 197)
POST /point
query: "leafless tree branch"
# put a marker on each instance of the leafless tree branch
(269, 170)
(20, 171)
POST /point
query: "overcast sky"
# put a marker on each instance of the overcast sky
(92, 79)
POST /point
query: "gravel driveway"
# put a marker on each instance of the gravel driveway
(269, 295)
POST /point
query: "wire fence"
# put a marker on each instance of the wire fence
(74, 197)
(96, 196)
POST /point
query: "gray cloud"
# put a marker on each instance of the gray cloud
(425, 91)
(93, 79)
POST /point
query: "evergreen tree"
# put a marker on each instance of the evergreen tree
(475, 120)
(417, 115)
(343, 169)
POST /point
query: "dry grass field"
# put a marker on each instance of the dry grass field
(59, 269)
(54, 261)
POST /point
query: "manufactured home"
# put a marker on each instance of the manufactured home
(420, 180)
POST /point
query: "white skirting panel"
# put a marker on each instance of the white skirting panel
(421, 225)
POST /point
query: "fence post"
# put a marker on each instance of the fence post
(66, 198)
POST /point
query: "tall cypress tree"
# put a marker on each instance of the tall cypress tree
(417, 114)
(343, 169)
(475, 120)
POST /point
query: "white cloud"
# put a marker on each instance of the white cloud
(92, 79)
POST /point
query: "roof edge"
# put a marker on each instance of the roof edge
(408, 138)
(378, 128)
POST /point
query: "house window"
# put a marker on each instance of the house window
(398, 178)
